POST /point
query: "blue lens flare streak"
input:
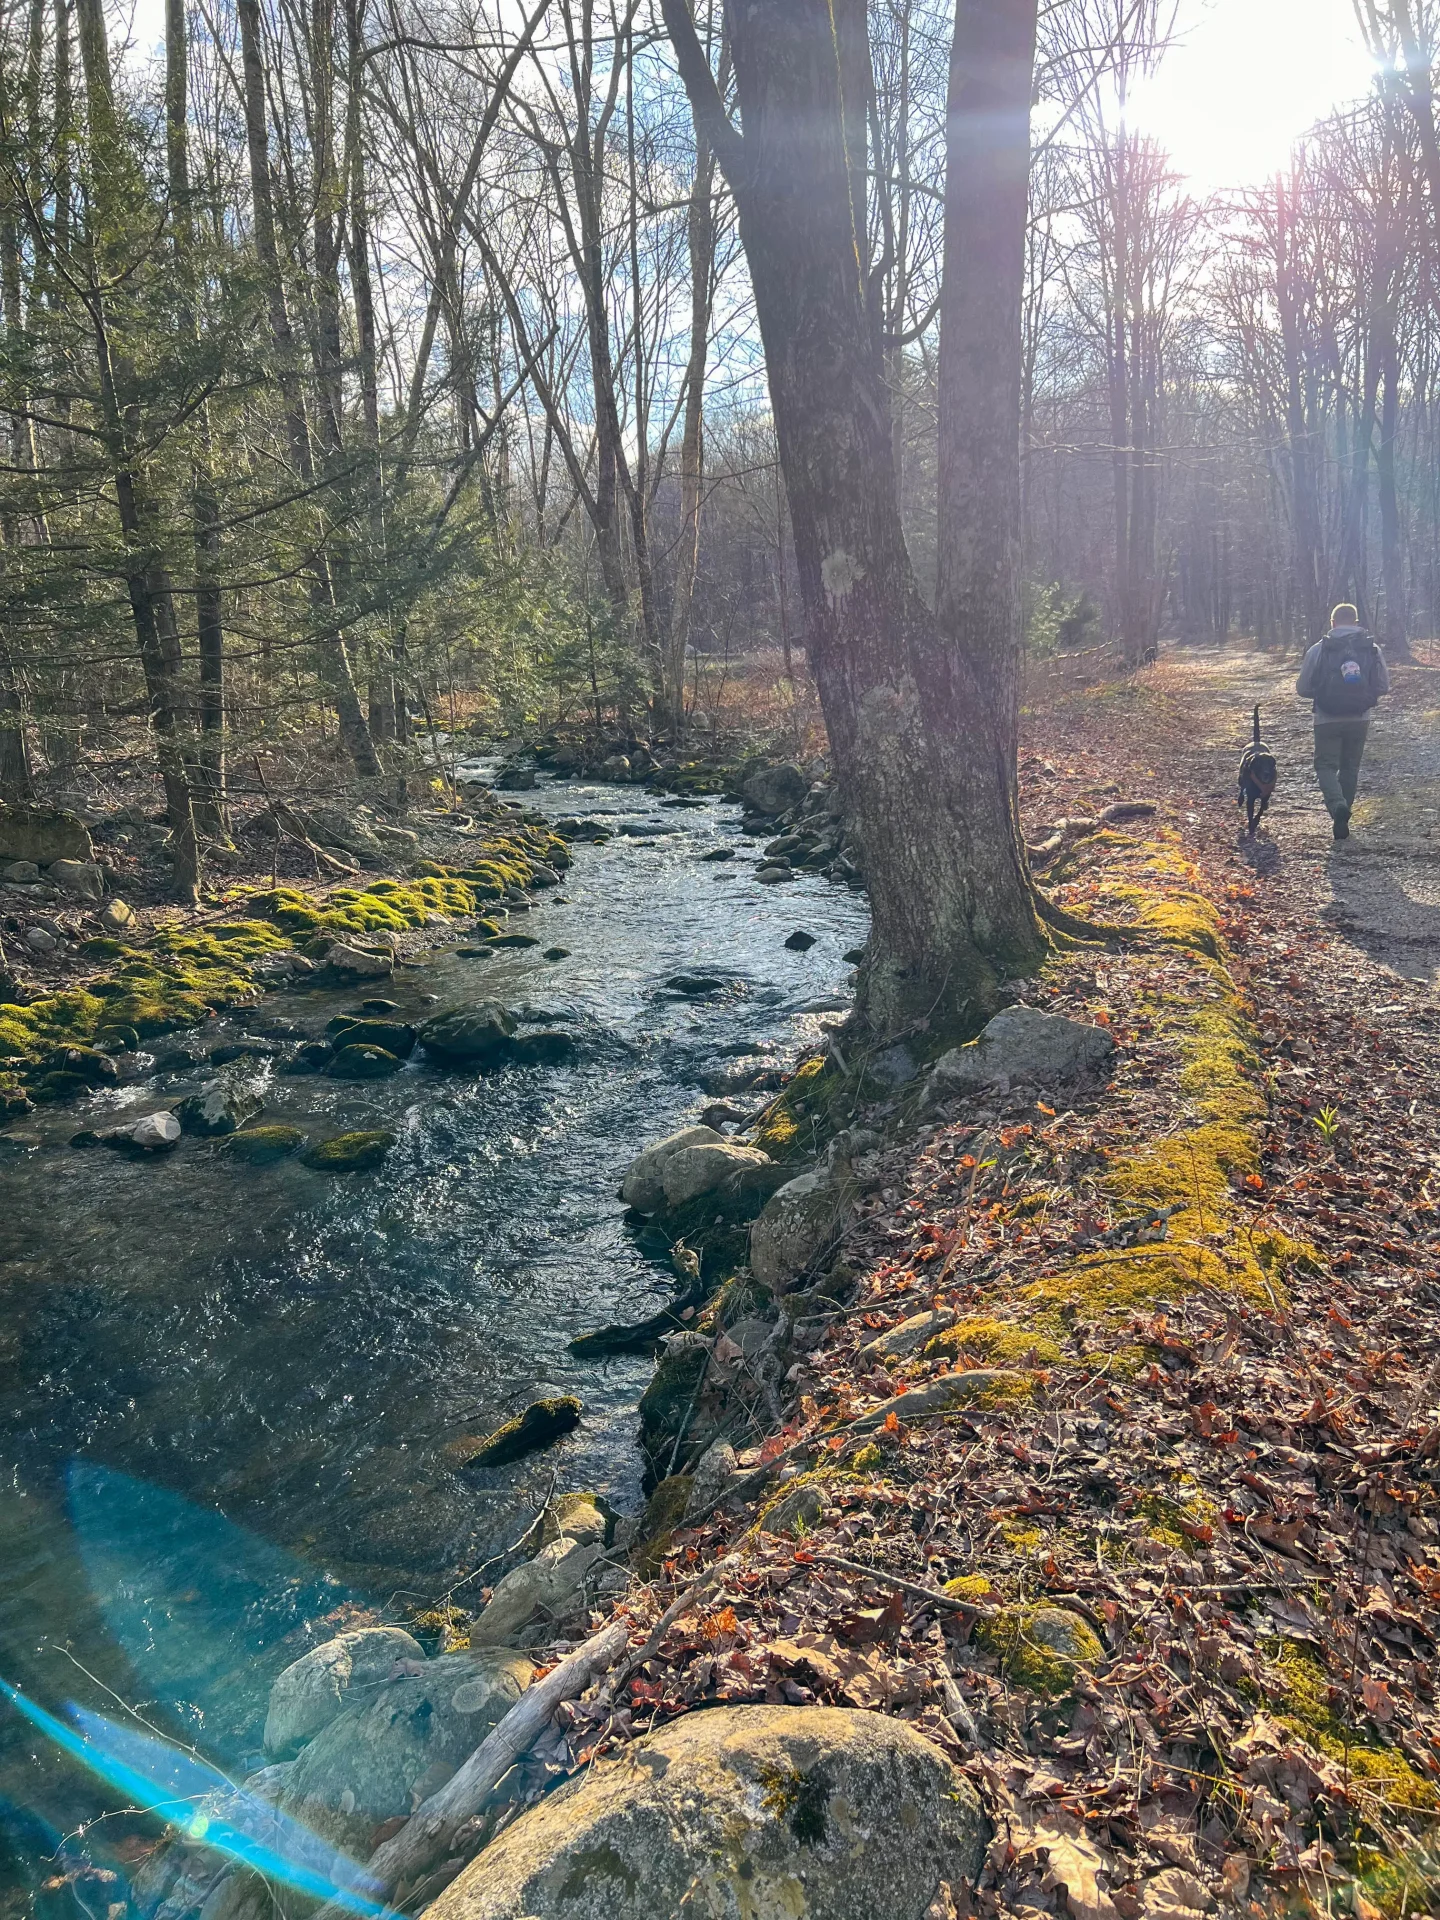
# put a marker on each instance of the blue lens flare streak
(204, 1806)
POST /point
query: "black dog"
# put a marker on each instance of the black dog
(1149, 656)
(1258, 777)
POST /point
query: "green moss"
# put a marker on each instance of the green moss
(969, 1586)
(1303, 1697)
(541, 1424)
(999, 1342)
(868, 1458)
(1169, 1518)
(814, 1105)
(350, 1152)
(260, 1146)
(1040, 1648)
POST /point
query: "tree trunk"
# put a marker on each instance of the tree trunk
(209, 800)
(334, 658)
(910, 707)
(701, 239)
(147, 580)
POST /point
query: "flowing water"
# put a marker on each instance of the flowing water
(224, 1390)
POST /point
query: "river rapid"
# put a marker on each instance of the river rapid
(225, 1390)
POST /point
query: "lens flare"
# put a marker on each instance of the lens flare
(205, 1806)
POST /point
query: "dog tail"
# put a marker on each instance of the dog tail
(1256, 718)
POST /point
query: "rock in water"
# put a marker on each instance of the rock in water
(43, 835)
(477, 1036)
(541, 1424)
(358, 1062)
(547, 1049)
(705, 1168)
(359, 963)
(693, 985)
(800, 941)
(644, 1184)
(218, 1110)
(774, 790)
(760, 1811)
(549, 1587)
(1022, 1044)
(399, 1741)
(350, 1152)
(260, 1146)
(156, 1133)
(393, 1035)
(312, 1690)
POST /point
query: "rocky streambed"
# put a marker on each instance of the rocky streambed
(239, 1391)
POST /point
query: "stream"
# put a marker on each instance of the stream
(225, 1389)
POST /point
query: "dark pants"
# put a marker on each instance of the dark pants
(1339, 747)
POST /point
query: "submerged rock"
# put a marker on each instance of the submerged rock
(1021, 1044)
(350, 1152)
(477, 1036)
(801, 942)
(739, 1813)
(393, 1035)
(541, 1424)
(312, 1690)
(545, 1049)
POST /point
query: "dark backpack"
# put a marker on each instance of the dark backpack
(1344, 684)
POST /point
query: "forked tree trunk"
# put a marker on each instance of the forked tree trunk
(911, 704)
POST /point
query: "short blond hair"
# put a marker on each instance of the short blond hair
(1345, 615)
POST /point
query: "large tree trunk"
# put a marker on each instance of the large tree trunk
(701, 239)
(910, 706)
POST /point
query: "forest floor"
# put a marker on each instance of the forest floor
(1174, 1581)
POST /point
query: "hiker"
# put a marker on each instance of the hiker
(1344, 674)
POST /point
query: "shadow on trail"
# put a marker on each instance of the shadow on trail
(1375, 913)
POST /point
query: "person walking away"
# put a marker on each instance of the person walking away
(1344, 674)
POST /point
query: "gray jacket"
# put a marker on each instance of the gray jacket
(1310, 673)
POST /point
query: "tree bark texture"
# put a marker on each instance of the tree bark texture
(910, 706)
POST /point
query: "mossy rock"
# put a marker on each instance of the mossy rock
(1041, 1648)
(349, 1152)
(541, 1424)
(664, 1512)
(514, 940)
(346, 1030)
(262, 1146)
(362, 1063)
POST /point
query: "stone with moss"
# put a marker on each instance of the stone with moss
(1020, 1045)
(541, 1424)
(358, 1062)
(395, 1036)
(1041, 1648)
(476, 1036)
(350, 1152)
(262, 1146)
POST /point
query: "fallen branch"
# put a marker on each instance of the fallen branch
(951, 1602)
(426, 1835)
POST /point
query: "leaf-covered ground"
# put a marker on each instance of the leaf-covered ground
(1182, 1540)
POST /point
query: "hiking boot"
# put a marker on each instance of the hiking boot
(1342, 824)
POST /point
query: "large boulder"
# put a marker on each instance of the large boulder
(477, 1036)
(313, 1690)
(545, 1588)
(397, 1742)
(705, 1168)
(774, 790)
(44, 835)
(80, 877)
(219, 1109)
(644, 1184)
(1020, 1046)
(811, 1813)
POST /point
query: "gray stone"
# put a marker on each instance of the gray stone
(617, 767)
(951, 1390)
(381, 1755)
(577, 1517)
(40, 940)
(796, 1512)
(117, 915)
(21, 873)
(774, 876)
(80, 877)
(548, 1587)
(799, 1223)
(1022, 1044)
(156, 1133)
(43, 834)
(643, 1186)
(774, 790)
(475, 1036)
(313, 1689)
(740, 1813)
(359, 963)
(909, 1335)
(717, 1470)
(218, 1110)
(695, 1170)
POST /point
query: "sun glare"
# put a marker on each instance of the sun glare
(1245, 80)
